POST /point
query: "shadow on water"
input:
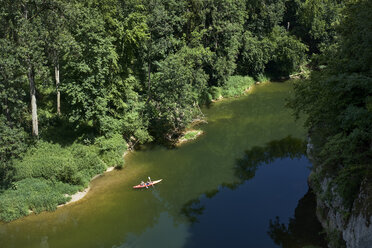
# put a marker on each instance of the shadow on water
(304, 229)
(246, 168)
(257, 156)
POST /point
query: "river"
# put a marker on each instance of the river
(242, 183)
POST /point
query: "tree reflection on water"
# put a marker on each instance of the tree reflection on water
(304, 229)
(257, 156)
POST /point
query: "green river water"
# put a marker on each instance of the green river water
(112, 214)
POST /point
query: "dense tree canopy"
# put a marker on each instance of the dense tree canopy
(106, 63)
(92, 74)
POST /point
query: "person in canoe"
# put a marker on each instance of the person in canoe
(147, 184)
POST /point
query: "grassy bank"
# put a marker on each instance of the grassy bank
(48, 173)
(235, 86)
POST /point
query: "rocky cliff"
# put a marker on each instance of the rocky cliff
(351, 228)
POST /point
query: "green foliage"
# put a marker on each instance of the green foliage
(127, 112)
(255, 54)
(277, 53)
(74, 165)
(33, 194)
(236, 86)
(215, 92)
(112, 149)
(12, 78)
(288, 52)
(86, 77)
(191, 135)
(315, 22)
(224, 25)
(263, 78)
(177, 87)
(264, 15)
(13, 142)
(135, 71)
(348, 182)
(335, 101)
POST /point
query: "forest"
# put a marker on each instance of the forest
(83, 81)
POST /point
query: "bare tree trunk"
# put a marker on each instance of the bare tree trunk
(31, 79)
(56, 70)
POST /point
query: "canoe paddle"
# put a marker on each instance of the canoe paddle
(151, 182)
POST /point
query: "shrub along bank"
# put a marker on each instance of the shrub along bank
(234, 86)
(48, 172)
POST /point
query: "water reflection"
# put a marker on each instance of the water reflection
(255, 202)
(302, 230)
(256, 156)
(246, 168)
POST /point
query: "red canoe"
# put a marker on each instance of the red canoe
(146, 185)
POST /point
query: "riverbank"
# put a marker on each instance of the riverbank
(187, 136)
(81, 194)
(102, 154)
(236, 86)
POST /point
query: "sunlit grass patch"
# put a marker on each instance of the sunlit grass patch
(190, 135)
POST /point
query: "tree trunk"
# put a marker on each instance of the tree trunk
(56, 70)
(31, 79)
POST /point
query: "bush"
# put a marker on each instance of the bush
(288, 53)
(13, 143)
(111, 150)
(74, 165)
(46, 160)
(35, 194)
(87, 162)
(262, 78)
(236, 86)
(216, 92)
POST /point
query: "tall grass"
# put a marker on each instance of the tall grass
(262, 78)
(33, 194)
(49, 171)
(234, 86)
(74, 165)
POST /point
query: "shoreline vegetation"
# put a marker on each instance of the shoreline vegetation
(81, 194)
(105, 148)
(187, 135)
(50, 175)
